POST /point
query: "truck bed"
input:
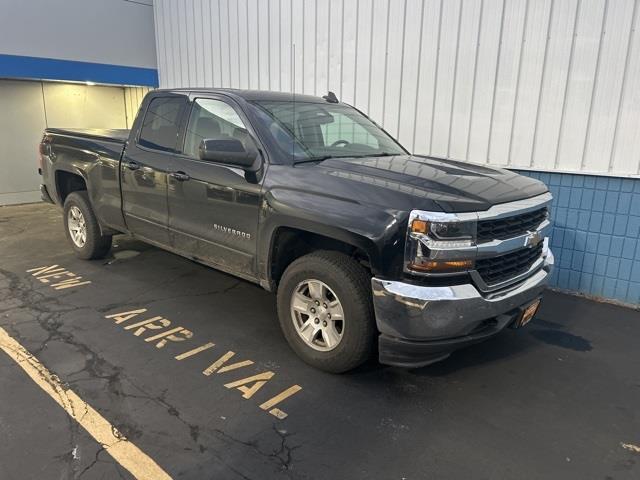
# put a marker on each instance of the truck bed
(109, 134)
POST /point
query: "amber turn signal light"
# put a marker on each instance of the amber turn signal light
(419, 226)
(442, 266)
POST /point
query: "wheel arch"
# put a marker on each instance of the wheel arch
(68, 181)
(373, 235)
(287, 243)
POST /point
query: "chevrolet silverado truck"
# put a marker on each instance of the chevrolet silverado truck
(370, 249)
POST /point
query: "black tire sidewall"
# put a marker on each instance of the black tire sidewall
(352, 288)
(96, 245)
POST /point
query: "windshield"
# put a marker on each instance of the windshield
(313, 131)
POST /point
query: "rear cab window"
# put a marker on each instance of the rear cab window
(161, 123)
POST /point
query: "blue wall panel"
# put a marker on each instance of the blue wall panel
(596, 234)
(36, 68)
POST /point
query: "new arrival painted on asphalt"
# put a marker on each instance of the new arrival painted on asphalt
(189, 366)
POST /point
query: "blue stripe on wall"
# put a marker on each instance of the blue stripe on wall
(596, 234)
(16, 66)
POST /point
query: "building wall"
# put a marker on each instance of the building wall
(550, 88)
(28, 107)
(540, 86)
(103, 41)
(44, 46)
(132, 99)
(596, 234)
(548, 85)
(19, 140)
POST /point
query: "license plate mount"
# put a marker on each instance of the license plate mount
(528, 313)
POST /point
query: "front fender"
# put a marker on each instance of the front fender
(377, 232)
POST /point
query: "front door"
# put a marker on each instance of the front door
(145, 166)
(213, 209)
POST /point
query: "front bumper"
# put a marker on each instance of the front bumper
(420, 325)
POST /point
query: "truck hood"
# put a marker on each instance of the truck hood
(454, 186)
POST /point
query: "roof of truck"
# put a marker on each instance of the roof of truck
(252, 95)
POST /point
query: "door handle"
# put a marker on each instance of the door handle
(180, 176)
(133, 165)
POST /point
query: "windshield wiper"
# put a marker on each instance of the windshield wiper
(327, 157)
(314, 159)
(381, 154)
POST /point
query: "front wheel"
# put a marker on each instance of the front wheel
(325, 311)
(82, 229)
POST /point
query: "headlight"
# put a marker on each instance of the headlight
(428, 241)
(454, 231)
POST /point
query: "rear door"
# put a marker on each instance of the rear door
(145, 166)
(213, 209)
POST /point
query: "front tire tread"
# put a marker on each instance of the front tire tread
(352, 284)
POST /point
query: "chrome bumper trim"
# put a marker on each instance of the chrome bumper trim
(416, 312)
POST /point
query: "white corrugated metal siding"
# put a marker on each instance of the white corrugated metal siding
(534, 84)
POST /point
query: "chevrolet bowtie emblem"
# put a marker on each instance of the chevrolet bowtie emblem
(532, 239)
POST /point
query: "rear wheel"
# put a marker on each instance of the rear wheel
(82, 229)
(326, 312)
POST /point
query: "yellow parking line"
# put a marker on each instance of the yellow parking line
(122, 450)
(631, 447)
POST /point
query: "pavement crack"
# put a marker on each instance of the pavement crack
(283, 455)
(49, 312)
(93, 463)
(194, 430)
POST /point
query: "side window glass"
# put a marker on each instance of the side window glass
(213, 119)
(160, 125)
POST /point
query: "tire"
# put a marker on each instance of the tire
(78, 211)
(350, 285)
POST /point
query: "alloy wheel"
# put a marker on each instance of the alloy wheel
(77, 226)
(317, 315)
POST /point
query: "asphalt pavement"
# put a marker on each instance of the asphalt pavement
(557, 399)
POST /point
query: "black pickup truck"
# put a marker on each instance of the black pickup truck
(369, 248)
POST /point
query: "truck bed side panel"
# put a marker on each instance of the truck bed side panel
(96, 159)
(119, 135)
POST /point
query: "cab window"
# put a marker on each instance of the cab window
(161, 123)
(213, 119)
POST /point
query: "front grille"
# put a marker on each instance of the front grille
(503, 228)
(498, 269)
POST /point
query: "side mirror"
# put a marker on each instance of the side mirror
(229, 151)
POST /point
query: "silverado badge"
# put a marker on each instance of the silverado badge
(232, 231)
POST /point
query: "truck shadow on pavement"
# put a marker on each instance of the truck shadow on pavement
(555, 334)
(508, 344)
(505, 345)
